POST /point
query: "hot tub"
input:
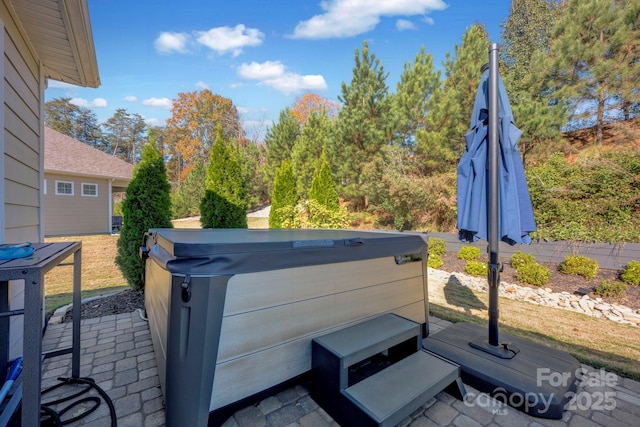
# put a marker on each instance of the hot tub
(233, 312)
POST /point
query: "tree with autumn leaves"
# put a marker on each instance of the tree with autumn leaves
(192, 126)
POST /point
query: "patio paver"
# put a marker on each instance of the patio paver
(117, 353)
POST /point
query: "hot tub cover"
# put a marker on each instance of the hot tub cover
(235, 251)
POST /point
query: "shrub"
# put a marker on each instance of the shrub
(434, 261)
(469, 253)
(533, 274)
(580, 265)
(520, 259)
(631, 273)
(476, 268)
(323, 189)
(436, 246)
(146, 205)
(612, 289)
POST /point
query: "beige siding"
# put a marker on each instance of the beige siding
(21, 133)
(77, 214)
(21, 115)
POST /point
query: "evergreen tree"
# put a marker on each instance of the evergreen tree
(249, 156)
(224, 204)
(125, 133)
(72, 120)
(188, 194)
(284, 197)
(441, 144)
(593, 59)
(147, 205)
(364, 126)
(279, 140)
(526, 38)
(315, 139)
(323, 188)
(411, 100)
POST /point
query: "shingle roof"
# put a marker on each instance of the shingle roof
(67, 155)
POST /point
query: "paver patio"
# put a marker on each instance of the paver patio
(117, 353)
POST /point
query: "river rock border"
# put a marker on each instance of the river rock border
(595, 307)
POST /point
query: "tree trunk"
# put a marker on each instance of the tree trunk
(600, 114)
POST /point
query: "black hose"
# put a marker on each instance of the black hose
(50, 417)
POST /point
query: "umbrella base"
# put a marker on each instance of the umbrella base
(505, 350)
(538, 380)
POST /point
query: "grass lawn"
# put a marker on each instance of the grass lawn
(100, 275)
(597, 342)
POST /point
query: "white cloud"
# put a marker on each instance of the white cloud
(264, 71)
(225, 40)
(346, 18)
(403, 25)
(96, 103)
(158, 103)
(168, 42)
(275, 75)
(429, 20)
(202, 85)
(130, 98)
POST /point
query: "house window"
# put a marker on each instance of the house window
(64, 188)
(90, 190)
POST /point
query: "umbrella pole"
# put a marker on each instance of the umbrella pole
(492, 192)
(493, 346)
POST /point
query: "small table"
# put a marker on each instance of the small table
(32, 271)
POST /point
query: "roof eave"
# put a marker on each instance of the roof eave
(76, 14)
(69, 58)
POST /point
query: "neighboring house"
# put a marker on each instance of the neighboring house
(79, 182)
(41, 40)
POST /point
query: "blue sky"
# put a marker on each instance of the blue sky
(260, 54)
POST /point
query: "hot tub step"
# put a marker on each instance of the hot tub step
(391, 395)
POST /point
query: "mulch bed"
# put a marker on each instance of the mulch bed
(122, 302)
(558, 282)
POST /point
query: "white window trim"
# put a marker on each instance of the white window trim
(44, 187)
(88, 195)
(64, 182)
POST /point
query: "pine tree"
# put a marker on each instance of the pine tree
(411, 100)
(526, 38)
(147, 205)
(441, 143)
(279, 141)
(364, 126)
(593, 59)
(187, 196)
(315, 139)
(224, 204)
(284, 197)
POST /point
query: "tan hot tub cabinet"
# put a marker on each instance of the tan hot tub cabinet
(233, 312)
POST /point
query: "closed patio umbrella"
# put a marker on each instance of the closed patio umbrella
(515, 212)
(493, 197)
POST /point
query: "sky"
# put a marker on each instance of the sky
(260, 54)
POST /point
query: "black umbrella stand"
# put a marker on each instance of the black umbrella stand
(493, 346)
(518, 376)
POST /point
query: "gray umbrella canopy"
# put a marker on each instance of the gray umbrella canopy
(516, 219)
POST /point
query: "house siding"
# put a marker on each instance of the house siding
(21, 98)
(76, 214)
